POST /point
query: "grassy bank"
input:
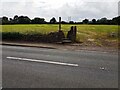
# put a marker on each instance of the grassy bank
(89, 34)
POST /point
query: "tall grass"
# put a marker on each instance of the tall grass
(84, 32)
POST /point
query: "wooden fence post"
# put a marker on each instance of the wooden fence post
(59, 23)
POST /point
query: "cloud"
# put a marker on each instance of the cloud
(76, 9)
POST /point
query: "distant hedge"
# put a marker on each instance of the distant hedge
(37, 20)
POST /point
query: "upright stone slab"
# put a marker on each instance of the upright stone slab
(72, 33)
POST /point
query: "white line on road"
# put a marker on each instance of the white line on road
(42, 61)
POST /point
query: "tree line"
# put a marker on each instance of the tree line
(26, 20)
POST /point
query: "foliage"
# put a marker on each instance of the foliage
(5, 20)
(86, 21)
(23, 20)
(38, 20)
(26, 20)
(53, 20)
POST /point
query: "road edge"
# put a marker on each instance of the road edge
(26, 45)
(51, 47)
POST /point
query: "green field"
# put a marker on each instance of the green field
(84, 32)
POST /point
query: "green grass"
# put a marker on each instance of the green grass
(84, 32)
(43, 28)
(29, 28)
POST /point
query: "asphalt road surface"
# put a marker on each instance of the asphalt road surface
(26, 67)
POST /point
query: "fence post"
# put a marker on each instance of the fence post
(59, 23)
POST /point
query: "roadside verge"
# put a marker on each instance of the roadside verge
(70, 47)
(26, 45)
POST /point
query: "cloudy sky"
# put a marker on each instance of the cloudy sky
(76, 10)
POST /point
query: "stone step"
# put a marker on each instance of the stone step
(66, 40)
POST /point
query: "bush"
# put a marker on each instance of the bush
(11, 36)
(34, 37)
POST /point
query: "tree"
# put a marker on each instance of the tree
(15, 19)
(53, 20)
(63, 22)
(71, 22)
(24, 20)
(85, 21)
(5, 20)
(11, 21)
(94, 21)
(116, 20)
(102, 21)
(38, 20)
(0, 21)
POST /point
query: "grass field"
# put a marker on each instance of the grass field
(85, 33)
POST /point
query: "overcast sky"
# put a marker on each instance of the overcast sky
(76, 10)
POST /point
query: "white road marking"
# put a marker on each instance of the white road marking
(42, 61)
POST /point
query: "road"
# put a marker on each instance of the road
(28, 67)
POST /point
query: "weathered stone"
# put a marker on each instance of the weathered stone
(72, 34)
(55, 36)
(113, 34)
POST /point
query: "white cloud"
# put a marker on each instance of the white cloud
(77, 9)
